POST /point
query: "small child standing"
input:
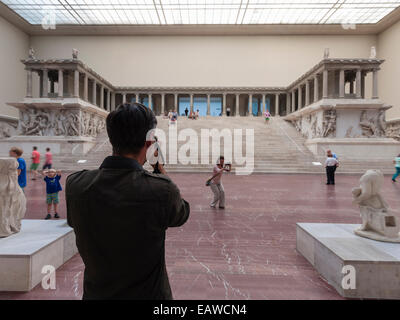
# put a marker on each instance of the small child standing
(53, 186)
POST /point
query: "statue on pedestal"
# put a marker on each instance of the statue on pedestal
(32, 53)
(326, 53)
(378, 221)
(12, 198)
(74, 54)
(373, 53)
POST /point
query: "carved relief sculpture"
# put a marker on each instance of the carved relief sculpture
(329, 124)
(378, 221)
(393, 130)
(41, 122)
(373, 125)
(7, 129)
(12, 198)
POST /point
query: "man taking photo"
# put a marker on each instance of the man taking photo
(120, 213)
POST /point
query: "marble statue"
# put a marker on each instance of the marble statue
(74, 54)
(326, 53)
(373, 53)
(12, 198)
(379, 222)
(31, 53)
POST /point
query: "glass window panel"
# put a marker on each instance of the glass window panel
(205, 11)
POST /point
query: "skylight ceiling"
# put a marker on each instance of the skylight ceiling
(172, 12)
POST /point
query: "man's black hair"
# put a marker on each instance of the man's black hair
(127, 127)
(47, 149)
(34, 148)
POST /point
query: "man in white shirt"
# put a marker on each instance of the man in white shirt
(330, 165)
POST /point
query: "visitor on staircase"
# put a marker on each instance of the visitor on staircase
(267, 116)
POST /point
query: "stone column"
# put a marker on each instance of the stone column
(325, 84)
(52, 85)
(341, 84)
(176, 102)
(191, 102)
(363, 74)
(101, 96)
(45, 84)
(375, 84)
(237, 105)
(276, 104)
(137, 96)
(224, 104)
(358, 84)
(85, 87)
(29, 83)
(76, 83)
(108, 100)
(307, 93)
(162, 104)
(94, 92)
(300, 102)
(316, 88)
(250, 106)
(124, 98)
(293, 100)
(263, 104)
(287, 103)
(60, 83)
(208, 104)
(150, 101)
(113, 106)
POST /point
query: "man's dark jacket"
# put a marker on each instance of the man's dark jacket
(119, 214)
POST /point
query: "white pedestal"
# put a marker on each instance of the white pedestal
(330, 247)
(39, 243)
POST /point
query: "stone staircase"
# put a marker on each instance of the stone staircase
(278, 148)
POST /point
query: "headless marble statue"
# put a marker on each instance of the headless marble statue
(378, 221)
(12, 198)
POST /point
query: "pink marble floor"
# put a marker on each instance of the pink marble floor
(247, 251)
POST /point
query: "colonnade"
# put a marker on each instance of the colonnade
(72, 84)
(331, 83)
(330, 79)
(138, 97)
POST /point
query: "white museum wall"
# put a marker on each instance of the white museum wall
(14, 46)
(203, 60)
(389, 88)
